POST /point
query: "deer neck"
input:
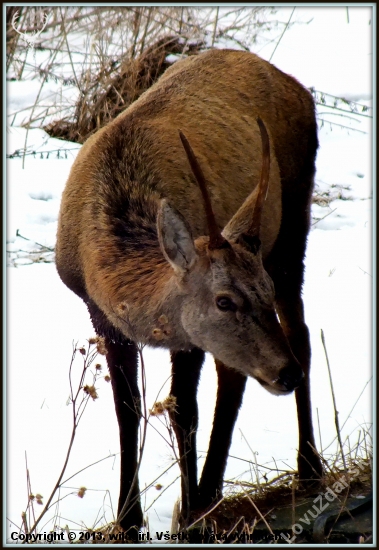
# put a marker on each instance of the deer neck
(152, 309)
(133, 283)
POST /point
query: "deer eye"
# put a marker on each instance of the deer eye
(224, 303)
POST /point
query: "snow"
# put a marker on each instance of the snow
(325, 51)
(44, 318)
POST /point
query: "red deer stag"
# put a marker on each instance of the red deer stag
(142, 238)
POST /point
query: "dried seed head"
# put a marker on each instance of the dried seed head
(107, 378)
(31, 497)
(101, 346)
(92, 341)
(158, 486)
(160, 407)
(91, 390)
(170, 403)
(82, 350)
(82, 491)
(39, 499)
(98, 366)
(157, 409)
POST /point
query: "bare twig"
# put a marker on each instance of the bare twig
(281, 36)
(348, 416)
(254, 453)
(334, 401)
(319, 430)
(86, 468)
(78, 407)
(326, 215)
(259, 512)
(215, 26)
(323, 121)
(18, 234)
(206, 513)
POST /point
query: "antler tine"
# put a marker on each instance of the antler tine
(263, 184)
(216, 240)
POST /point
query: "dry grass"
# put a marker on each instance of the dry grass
(93, 62)
(278, 493)
(260, 511)
(112, 90)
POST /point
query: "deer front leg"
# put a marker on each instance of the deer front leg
(186, 368)
(122, 363)
(231, 386)
(122, 359)
(291, 314)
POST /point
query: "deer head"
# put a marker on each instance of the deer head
(228, 298)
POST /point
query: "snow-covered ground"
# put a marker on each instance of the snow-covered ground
(44, 317)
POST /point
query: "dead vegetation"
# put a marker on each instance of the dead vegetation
(338, 509)
(112, 90)
(93, 62)
(284, 492)
(279, 511)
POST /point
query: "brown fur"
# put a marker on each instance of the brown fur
(131, 204)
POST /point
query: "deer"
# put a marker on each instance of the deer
(183, 225)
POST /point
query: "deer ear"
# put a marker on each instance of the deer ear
(251, 242)
(175, 238)
(247, 220)
(242, 219)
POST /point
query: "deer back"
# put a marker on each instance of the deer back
(107, 245)
(215, 99)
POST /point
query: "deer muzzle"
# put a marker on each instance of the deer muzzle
(289, 379)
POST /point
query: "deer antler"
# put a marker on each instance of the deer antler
(263, 184)
(216, 240)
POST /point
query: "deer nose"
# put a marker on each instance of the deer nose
(290, 377)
